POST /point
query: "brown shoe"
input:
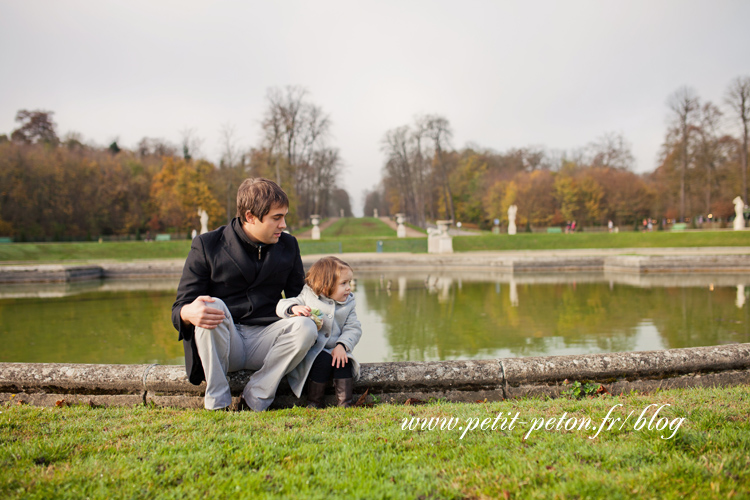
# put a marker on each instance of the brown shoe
(315, 394)
(344, 388)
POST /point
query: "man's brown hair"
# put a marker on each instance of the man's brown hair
(258, 196)
(325, 274)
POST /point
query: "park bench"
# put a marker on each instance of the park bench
(679, 226)
(163, 237)
(554, 230)
(6, 239)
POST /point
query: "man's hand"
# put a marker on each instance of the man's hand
(301, 310)
(199, 314)
(339, 356)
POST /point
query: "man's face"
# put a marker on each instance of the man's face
(269, 230)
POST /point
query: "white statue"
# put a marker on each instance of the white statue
(315, 230)
(204, 220)
(739, 216)
(400, 229)
(512, 219)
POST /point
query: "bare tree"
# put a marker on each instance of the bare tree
(738, 99)
(405, 164)
(684, 104)
(611, 150)
(295, 132)
(439, 130)
(708, 150)
(191, 144)
(231, 167)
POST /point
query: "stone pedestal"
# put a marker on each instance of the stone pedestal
(375, 213)
(315, 230)
(401, 229)
(438, 240)
(739, 214)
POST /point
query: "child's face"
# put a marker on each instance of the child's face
(343, 286)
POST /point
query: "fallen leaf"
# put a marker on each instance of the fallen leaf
(602, 390)
(61, 403)
(362, 398)
(414, 401)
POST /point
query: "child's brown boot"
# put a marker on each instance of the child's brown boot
(315, 394)
(344, 388)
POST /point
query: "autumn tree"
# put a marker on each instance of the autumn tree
(179, 190)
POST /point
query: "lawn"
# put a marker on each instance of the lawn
(93, 251)
(656, 239)
(362, 235)
(350, 227)
(148, 452)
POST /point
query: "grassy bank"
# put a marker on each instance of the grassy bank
(353, 235)
(656, 239)
(145, 452)
(92, 251)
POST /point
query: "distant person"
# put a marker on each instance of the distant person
(328, 290)
(610, 225)
(225, 310)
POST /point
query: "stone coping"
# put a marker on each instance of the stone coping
(708, 260)
(494, 379)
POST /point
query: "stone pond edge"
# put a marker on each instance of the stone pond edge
(47, 384)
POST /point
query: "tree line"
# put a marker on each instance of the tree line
(60, 188)
(702, 166)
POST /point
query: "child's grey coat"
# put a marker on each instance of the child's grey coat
(340, 324)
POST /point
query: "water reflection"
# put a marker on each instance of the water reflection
(486, 315)
(405, 316)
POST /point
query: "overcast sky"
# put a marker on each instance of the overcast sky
(557, 74)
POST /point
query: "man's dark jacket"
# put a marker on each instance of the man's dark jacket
(219, 266)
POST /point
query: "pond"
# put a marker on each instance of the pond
(405, 316)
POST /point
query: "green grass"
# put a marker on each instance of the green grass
(350, 245)
(144, 452)
(416, 228)
(356, 237)
(350, 227)
(657, 239)
(119, 250)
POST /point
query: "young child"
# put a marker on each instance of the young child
(327, 290)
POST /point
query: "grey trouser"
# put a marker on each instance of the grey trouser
(271, 351)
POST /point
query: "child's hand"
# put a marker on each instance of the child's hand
(301, 310)
(339, 356)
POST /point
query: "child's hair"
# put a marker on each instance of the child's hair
(325, 274)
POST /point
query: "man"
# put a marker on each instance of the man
(225, 310)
